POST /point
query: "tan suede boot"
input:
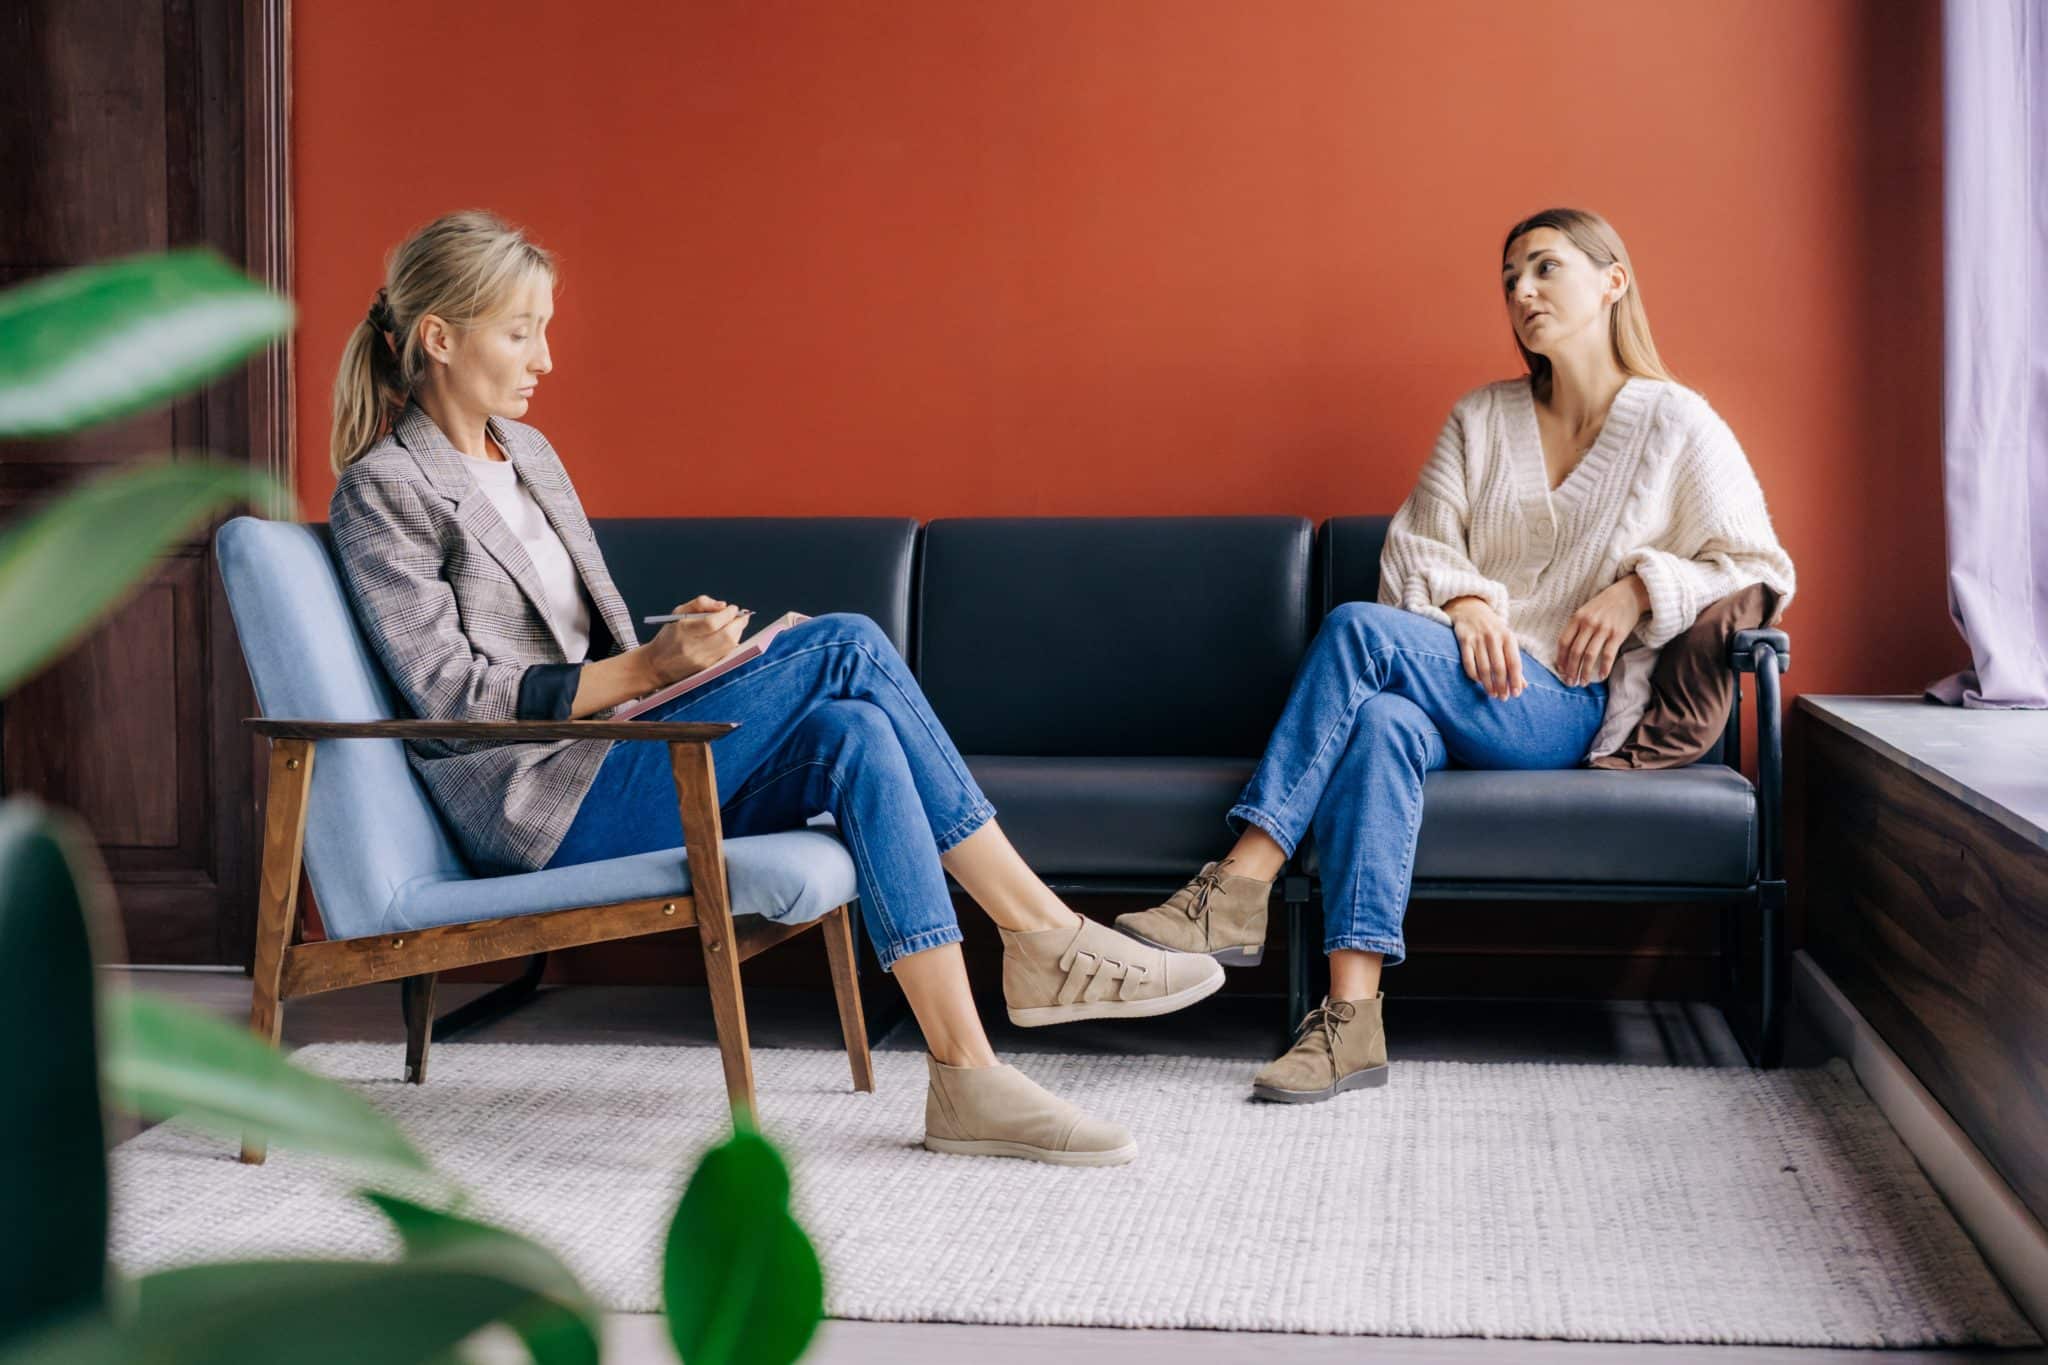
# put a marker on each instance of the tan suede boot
(1342, 1046)
(1090, 971)
(1217, 914)
(999, 1111)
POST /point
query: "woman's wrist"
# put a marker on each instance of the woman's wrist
(641, 670)
(1458, 604)
(605, 683)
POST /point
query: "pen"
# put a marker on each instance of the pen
(684, 616)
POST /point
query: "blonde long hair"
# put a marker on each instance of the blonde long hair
(461, 268)
(1628, 323)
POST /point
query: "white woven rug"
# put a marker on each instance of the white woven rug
(1566, 1201)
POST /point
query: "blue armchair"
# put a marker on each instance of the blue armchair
(397, 898)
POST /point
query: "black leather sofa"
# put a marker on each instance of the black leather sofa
(1111, 682)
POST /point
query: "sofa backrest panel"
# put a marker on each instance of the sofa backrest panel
(1136, 637)
(773, 564)
(1348, 559)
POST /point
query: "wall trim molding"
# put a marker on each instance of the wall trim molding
(267, 96)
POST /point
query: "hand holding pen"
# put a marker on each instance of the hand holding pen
(696, 635)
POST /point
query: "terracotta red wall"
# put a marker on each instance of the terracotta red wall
(943, 257)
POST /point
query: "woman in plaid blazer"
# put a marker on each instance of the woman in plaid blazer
(474, 573)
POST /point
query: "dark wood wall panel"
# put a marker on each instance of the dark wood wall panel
(82, 126)
(125, 126)
(99, 735)
(64, 458)
(1933, 920)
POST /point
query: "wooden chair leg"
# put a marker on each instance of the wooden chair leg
(277, 897)
(704, 838)
(417, 994)
(837, 928)
(729, 1017)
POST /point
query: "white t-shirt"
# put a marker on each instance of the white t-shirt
(568, 611)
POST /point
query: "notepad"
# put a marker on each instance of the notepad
(748, 650)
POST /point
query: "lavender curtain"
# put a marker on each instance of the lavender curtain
(1995, 387)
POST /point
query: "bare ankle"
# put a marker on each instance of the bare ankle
(1257, 866)
(1354, 974)
(1033, 919)
(1256, 855)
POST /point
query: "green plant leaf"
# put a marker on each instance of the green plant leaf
(740, 1279)
(87, 345)
(164, 1059)
(306, 1312)
(87, 1339)
(53, 1169)
(560, 1328)
(71, 560)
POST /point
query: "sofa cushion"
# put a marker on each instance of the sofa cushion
(1163, 818)
(1693, 826)
(772, 564)
(1113, 817)
(1150, 636)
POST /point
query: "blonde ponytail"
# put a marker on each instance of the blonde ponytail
(461, 268)
(369, 393)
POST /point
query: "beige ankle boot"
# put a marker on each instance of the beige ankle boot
(1090, 971)
(1216, 913)
(999, 1111)
(1342, 1046)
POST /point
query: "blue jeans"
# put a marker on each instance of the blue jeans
(1381, 700)
(830, 720)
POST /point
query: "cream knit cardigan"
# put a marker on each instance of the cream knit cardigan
(1664, 492)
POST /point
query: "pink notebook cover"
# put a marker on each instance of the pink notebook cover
(751, 648)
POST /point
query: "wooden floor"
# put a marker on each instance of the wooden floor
(1636, 1033)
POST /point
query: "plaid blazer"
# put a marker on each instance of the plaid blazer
(451, 604)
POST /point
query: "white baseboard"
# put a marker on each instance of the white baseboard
(2011, 1240)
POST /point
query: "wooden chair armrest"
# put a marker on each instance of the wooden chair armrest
(509, 730)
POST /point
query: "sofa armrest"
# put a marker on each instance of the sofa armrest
(506, 730)
(1743, 649)
(1768, 654)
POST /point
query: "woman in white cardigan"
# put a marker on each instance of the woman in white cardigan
(1591, 504)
